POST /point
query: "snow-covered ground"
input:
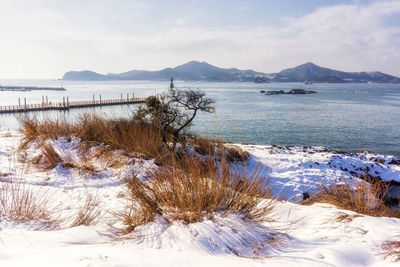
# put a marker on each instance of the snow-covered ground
(298, 170)
(311, 235)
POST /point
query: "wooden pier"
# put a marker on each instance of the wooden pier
(66, 104)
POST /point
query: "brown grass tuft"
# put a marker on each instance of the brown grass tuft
(22, 203)
(236, 154)
(43, 129)
(49, 158)
(205, 146)
(364, 198)
(89, 213)
(344, 217)
(92, 160)
(194, 190)
(392, 249)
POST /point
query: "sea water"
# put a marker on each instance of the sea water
(348, 117)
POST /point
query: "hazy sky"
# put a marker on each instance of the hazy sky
(45, 38)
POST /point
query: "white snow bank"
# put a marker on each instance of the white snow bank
(314, 236)
(297, 170)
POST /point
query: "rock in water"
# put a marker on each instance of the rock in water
(291, 92)
(300, 92)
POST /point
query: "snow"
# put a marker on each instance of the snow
(310, 235)
(298, 170)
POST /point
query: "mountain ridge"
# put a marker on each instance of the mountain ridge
(203, 71)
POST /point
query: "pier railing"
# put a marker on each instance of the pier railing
(66, 104)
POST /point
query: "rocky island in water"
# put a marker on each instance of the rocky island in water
(291, 92)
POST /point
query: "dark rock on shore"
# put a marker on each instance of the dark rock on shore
(291, 92)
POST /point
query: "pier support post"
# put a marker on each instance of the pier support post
(47, 101)
(100, 99)
(25, 102)
(67, 101)
(127, 97)
(63, 101)
(19, 102)
(93, 98)
(121, 96)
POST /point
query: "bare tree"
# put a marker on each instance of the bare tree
(174, 111)
(190, 101)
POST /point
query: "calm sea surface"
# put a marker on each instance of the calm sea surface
(349, 117)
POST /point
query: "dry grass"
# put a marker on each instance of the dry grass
(211, 147)
(92, 129)
(22, 203)
(205, 146)
(89, 213)
(49, 158)
(4, 174)
(195, 190)
(344, 217)
(236, 154)
(392, 250)
(33, 129)
(89, 160)
(7, 134)
(364, 198)
(122, 134)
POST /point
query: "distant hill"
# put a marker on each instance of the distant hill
(192, 71)
(311, 72)
(202, 71)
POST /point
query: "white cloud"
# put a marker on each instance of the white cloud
(44, 42)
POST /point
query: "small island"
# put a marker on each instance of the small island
(30, 88)
(291, 92)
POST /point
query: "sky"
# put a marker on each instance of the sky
(41, 39)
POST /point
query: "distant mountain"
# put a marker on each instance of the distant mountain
(311, 72)
(202, 71)
(192, 71)
(85, 75)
